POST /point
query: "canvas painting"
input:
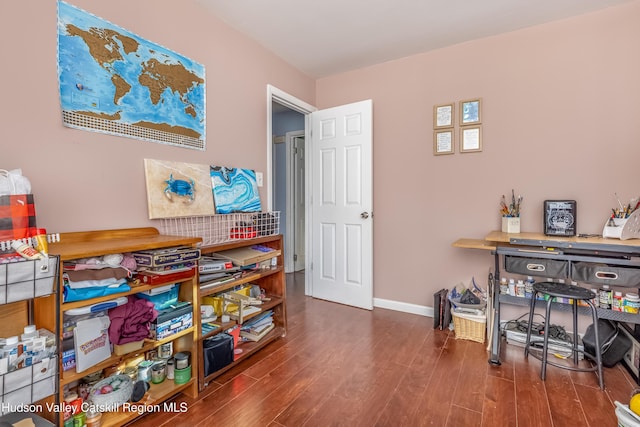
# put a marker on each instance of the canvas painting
(235, 190)
(176, 189)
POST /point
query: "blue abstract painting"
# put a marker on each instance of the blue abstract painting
(234, 190)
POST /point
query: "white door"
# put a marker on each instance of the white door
(341, 204)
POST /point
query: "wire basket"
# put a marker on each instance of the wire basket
(469, 326)
(122, 388)
(224, 227)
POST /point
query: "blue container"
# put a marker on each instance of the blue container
(162, 297)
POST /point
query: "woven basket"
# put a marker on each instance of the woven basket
(123, 386)
(469, 326)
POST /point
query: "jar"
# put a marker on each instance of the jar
(631, 303)
(144, 370)
(158, 371)
(94, 419)
(165, 350)
(182, 360)
(170, 369)
(131, 372)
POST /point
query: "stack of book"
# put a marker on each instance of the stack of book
(256, 328)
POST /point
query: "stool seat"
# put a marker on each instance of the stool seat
(562, 290)
(551, 290)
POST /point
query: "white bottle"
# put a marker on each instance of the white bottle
(528, 287)
(520, 288)
(512, 287)
(10, 350)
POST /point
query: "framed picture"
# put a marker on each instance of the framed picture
(560, 217)
(443, 142)
(470, 139)
(471, 112)
(443, 116)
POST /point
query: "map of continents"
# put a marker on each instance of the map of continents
(116, 82)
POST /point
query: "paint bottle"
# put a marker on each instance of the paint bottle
(618, 302)
(520, 291)
(41, 243)
(606, 297)
(528, 287)
(26, 251)
(504, 286)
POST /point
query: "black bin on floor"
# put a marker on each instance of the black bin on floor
(218, 353)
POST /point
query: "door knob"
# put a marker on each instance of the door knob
(364, 215)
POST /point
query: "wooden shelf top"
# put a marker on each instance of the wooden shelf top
(97, 243)
(497, 238)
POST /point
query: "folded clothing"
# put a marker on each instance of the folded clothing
(71, 294)
(97, 274)
(130, 322)
(104, 283)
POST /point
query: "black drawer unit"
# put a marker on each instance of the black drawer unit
(550, 268)
(605, 274)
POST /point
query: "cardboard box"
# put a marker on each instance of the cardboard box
(249, 255)
(121, 349)
(165, 257)
(172, 321)
(155, 278)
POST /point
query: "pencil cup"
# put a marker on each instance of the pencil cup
(510, 224)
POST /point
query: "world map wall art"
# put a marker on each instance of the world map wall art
(113, 81)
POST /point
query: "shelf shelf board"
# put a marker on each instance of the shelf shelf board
(602, 313)
(250, 277)
(248, 349)
(153, 399)
(134, 290)
(71, 375)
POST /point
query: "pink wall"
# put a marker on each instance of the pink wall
(560, 120)
(558, 110)
(87, 181)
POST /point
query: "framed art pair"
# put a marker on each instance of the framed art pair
(470, 129)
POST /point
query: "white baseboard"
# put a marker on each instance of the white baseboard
(404, 307)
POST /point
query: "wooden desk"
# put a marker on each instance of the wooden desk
(622, 254)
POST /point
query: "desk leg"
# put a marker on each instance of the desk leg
(494, 358)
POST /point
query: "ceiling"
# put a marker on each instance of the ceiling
(325, 37)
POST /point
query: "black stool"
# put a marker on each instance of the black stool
(576, 293)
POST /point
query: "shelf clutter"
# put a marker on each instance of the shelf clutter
(222, 228)
(242, 301)
(140, 317)
(462, 309)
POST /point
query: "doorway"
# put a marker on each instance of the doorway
(287, 127)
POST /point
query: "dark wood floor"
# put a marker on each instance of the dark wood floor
(344, 366)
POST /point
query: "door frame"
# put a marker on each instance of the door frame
(283, 98)
(289, 262)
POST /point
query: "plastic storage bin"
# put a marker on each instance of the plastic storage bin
(162, 297)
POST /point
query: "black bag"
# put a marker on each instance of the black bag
(218, 352)
(613, 344)
(441, 310)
